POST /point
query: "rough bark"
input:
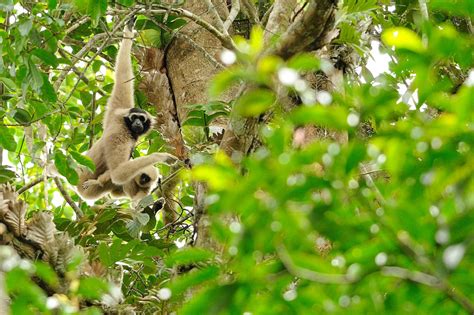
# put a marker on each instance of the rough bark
(155, 85)
(190, 62)
(189, 68)
(311, 29)
(280, 18)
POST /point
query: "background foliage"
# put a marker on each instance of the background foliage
(382, 223)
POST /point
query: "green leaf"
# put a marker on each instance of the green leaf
(187, 256)
(86, 97)
(52, 4)
(333, 116)
(146, 201)
(46, 273)
(221, 297)
(135, 225)
(174, 24)
(150, 37)
(359, 6)
(152, 222)
(8, 83)
(106, 215)
(37, 78)
(356, 155)
(96, 66)
(66, 168)
(348, 34)
(47, 90)
(7, 141)
(6, 174)
(256, 40)
(92, 288)
(304, 62)
(192, 279)
(455, 7)
(83, 160)
(224, 80)
(402, 38)
(25, 27)
(195, 121)
(255, 102)
(94, 8)
(47, 57)
(126, 3)
(143, 218)
(22, 116)
(104, 254)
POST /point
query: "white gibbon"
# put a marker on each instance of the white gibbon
(123, 124)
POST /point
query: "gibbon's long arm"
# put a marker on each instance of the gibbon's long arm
(122, 92)
(128, 170)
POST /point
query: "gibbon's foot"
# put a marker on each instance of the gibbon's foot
(91, 182)
(158, 205)
(187, 162)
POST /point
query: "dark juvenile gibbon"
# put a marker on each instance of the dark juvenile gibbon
(123, 124)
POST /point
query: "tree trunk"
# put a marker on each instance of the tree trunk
(192, 59)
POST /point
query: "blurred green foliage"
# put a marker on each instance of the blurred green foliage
(377, 225)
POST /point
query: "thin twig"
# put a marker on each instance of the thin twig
(91, 121)
(78, 23)
(157, 9)
(166, 179)
(79, 55)
(30, 185)
(189, 39)
(31, 121)
(310, 275)
(415, 276)
(68, 198)
(63, 53)
(99, 50)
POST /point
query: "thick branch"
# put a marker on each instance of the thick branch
(233, 14)
(279, 18)
(251, 11)
(215, 17)
(310, 30)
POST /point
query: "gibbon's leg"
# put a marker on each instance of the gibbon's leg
(92, 189)
(126, 171)
(100, 181)
(104, 178)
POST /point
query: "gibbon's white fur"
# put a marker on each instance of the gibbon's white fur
(136, 189)
(123, 124)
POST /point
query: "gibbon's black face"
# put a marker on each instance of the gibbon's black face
(137, 122)
(144, 179)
